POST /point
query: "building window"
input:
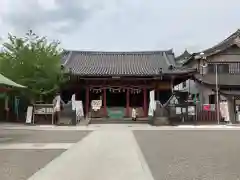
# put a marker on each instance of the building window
(212, 99)
(222, 68)
(234, 68)
(211, 68)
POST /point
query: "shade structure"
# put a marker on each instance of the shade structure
(8, 82)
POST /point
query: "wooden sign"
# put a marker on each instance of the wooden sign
(163, 85)
(96, 104)
(191, 110)
(237, 101)
(43, 109)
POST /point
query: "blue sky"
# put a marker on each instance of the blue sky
(124, 25)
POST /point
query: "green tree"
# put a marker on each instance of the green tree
(33, 61)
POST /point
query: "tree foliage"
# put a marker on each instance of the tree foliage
(33, 61)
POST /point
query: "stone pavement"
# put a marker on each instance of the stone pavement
(108, 155)
(112, 151)
(117, 127)
(24, 152)
(192, 154)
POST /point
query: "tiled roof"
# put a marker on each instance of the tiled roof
(185, 55)
(233, 39)
(90, 63)
(223, 79)
(228, 42)
(65, 55)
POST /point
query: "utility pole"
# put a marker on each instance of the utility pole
(217, 94)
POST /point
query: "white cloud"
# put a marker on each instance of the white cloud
(123, 24)
(48, 4)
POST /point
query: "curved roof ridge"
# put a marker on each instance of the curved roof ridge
(185, 55)
(67, 58)
(226, 41)
(231, 37)
(170, 51)
(166, 59)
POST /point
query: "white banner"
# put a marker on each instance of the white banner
(152, 103)
(73, 102)
(152, 95)
(224, 111)
(29, 114)
(79, 109)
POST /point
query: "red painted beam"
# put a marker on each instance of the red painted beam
(145, 102)
(105, 101)
(128, 103)
(87, 101)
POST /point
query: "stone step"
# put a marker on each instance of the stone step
(118, 121)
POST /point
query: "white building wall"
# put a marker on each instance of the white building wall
(190, 87)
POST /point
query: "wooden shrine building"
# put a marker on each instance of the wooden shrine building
(122, 80)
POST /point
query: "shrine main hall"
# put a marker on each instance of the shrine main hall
(122, 80)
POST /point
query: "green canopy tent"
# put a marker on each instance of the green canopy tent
(5, 83)
(8, 82)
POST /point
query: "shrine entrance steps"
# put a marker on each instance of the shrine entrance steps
(118, 121)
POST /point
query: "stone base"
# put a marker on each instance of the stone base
(160, 121)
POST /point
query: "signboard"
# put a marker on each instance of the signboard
(238, 117)
(206, 107)
(43, 109)
(164, 85)
(237, 101)
(209, 107)
(178, 110)
(183, 110)
(116, 113)
(29, 115)
(191, 110)
(96, 104)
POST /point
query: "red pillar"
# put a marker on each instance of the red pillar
(128, 103)
(87, 101)
(105, 101)
(145, 102)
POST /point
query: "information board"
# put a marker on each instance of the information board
(96, 104)
(43, 109)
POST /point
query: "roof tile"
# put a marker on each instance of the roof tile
(120, 63)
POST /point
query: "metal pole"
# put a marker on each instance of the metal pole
(217, 94)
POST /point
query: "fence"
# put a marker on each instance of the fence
(207, 113)
(192, 113)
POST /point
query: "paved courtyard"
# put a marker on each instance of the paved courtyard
(29, 153)
(120, 153)
(191, 154)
